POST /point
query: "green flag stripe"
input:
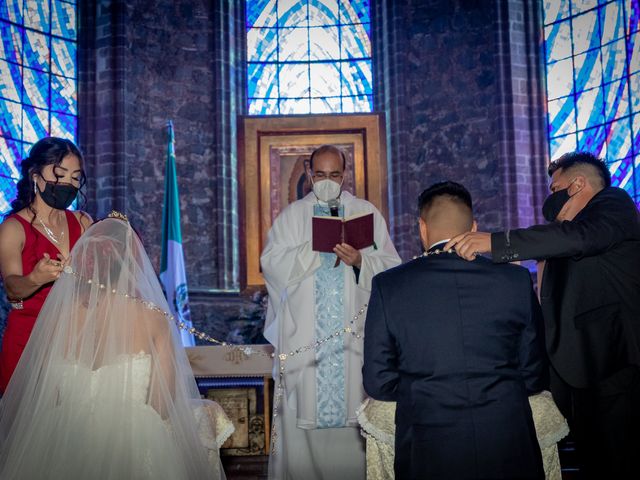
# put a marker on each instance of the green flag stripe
(171, 210)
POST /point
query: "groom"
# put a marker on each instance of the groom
(459, 346)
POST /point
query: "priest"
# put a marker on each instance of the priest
(312, 295)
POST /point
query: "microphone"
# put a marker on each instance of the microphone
(334, 207)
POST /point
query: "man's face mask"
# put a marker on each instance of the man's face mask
(553, 204)
(58, 195)
(326, 190)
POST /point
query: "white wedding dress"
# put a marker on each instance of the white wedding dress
(104, 389)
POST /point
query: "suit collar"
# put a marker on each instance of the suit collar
(438, 245)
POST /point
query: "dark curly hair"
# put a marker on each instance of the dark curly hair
(47, 151)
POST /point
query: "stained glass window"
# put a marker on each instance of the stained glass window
(308, 56)
(37, 81)
(592, 53)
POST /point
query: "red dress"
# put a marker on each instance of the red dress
(21, 322)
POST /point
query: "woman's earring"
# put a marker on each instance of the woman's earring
(35, 187)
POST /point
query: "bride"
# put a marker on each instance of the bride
(104, 389)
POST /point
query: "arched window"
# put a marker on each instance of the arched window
(37, 81)
(308, 56)
(592, 51)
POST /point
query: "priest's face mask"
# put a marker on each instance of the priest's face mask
(327, 175)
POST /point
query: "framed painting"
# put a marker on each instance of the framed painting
(273, 156)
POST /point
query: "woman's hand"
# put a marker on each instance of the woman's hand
(47, 270)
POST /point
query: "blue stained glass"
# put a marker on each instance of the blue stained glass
(614, 60)
(263, 106)
(634, 87)
(325, 79)
(36, 50)
(294, 106)
(63, 126)
(612, 22)
(361, 103)
(632, 9)
(560, 78)
(261, 13)
(10, 119)
(64, 20)
(323, 13)
(619, 139)
(590, 108)
(325, 105)
(35, 123)
(11, 42)
(63, 94)
(10, 158)
(593, 140)
(353, 11)
(356, 78)
(36, 14)
(561, 116)
(294, 44)
(578, 6)
(636, 134)
(616, 100)
(262, 44)
(63, 59)
(35, 88)
(323, 43)
(263, 81)
(560, 145)
(11, 10)
(622, 175)
(585, 32)
(634, 54)
(10, 81)
(298, 59)
(292, 13)
(558, 42)
(355, 42)
(294, 80)
(588, 68)
(8, 191)
(555, 10)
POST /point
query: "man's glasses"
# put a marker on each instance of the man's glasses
(324, 176)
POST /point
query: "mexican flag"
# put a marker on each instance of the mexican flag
(172, 274)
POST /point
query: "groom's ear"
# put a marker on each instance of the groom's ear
(474, 226)
(423, 233)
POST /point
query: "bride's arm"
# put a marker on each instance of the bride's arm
(163, 367)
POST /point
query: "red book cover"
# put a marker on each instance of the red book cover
(356, 231)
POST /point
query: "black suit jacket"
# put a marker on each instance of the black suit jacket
(590, 290)
(459, 346)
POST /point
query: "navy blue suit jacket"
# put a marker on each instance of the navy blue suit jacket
(459, 346)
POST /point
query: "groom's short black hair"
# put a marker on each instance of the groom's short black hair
(452, 190)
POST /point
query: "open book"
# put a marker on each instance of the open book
(356, 231)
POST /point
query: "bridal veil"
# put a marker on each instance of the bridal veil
(104, 389)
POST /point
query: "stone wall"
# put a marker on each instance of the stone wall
(444, 79)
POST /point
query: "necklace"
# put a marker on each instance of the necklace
(50, 233)
(437, 251)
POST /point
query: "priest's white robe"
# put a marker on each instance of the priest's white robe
(304, 449)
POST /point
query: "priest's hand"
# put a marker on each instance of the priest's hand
(470, 244)
(349, 255)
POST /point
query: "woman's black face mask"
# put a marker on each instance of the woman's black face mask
(58, 195)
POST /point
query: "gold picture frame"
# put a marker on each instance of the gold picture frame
(272, 152)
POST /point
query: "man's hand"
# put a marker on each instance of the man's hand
(348, 255)
(470, 244)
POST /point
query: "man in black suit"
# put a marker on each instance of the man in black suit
(458, 345)
(590, 297)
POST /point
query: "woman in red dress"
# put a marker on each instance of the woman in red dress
(36, 238)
